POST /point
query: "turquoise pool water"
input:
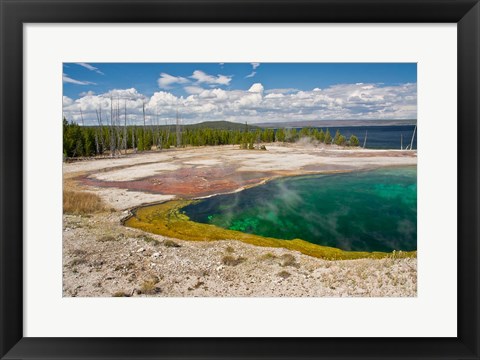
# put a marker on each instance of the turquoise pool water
(364, 211)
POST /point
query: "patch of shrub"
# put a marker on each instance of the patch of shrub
(106, 238)
(232, 261)
(289, 260)
(78, 252)
(149, 287)
(268, 256)
(78, 261)
(284, 274)
(229, 249)
(198, 284)
(120, 294)
(148, 239)
(170, 243)
(81, 203)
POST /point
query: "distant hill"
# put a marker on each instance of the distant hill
(333, 123)
(219, 125)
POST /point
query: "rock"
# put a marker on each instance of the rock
(140, 250)
(156, 255)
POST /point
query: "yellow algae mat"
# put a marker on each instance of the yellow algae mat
(168, 220)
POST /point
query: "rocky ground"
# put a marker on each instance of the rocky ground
(101, 257)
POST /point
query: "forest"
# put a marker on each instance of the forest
(89, 141)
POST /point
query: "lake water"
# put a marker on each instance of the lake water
(363, 211)
(380, 137)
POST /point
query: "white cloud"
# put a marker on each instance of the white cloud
(162, 99)
(125, 94)
(281, 91)
(253, 73)
(91, 68)
(202, 77)
(87, 93)
(67, 79)
(256, 88)
(274, 96)
(342, 101)
(193, 89)
(166, 80)
(67, 101)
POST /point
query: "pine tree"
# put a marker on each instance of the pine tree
(321, 136)
(328, 137)
(353, 141)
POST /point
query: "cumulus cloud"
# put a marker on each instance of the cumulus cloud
(85, 93)
(68, 79)
(193, 89)
(67, 101)
(281, 91)
(342, 101)
(202, 77)
(166, 80)
(256, 88)
(91, 68)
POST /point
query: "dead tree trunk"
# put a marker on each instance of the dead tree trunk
(125, 129)
(100, 125)
(178, 132)
(81, 115)
(143, 132)
(112, 132)
(411, 142)
(167, 135)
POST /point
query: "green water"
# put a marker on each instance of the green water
(363, 211)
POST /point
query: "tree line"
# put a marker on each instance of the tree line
(85, 141)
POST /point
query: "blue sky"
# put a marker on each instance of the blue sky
(241, 92)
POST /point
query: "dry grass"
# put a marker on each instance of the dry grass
(148, 239)
(289, 260)
(81, 203)
(198, 284)
(170, 243)
(149, 286)
(78, 252)
(78, 261)
(284, 274)
(106, 238)
(232, 261)
(268, 256)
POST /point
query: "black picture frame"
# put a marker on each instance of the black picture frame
(14, 13)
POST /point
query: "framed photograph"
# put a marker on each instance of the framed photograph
(236, 179)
